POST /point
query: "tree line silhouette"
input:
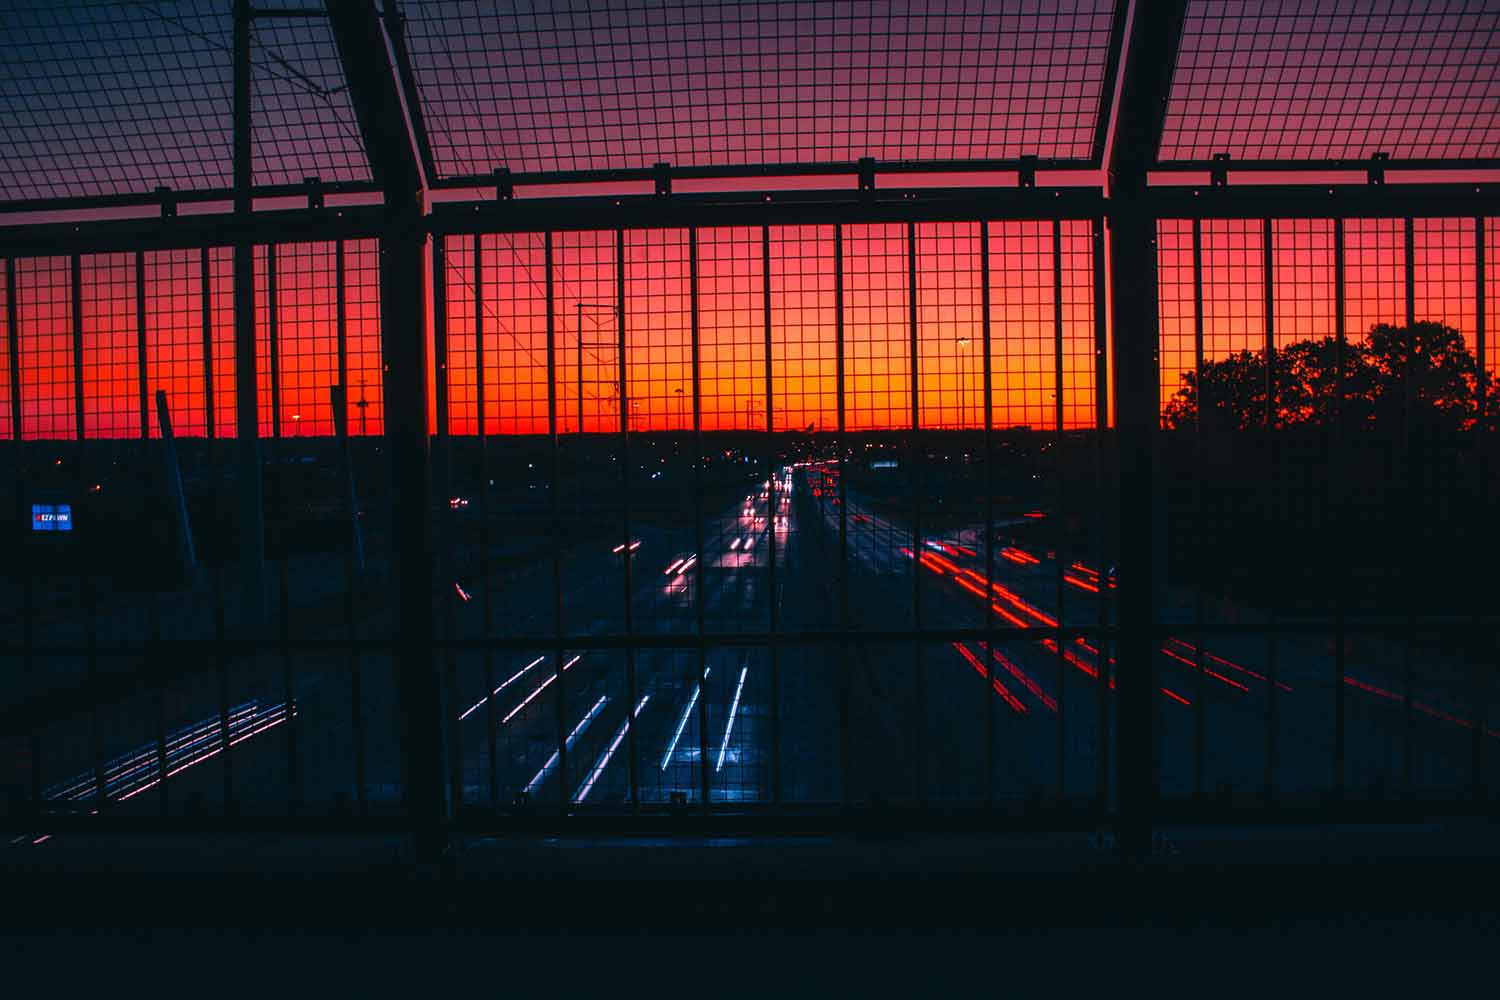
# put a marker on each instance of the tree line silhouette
(1423, 373)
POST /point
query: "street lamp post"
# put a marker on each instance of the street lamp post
(363, 402)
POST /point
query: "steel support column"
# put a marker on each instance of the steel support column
(1151, 54)
(403, 341)
(251, 506)
(386, 126)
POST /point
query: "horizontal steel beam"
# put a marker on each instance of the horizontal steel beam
(1324, 201)
(766, 208)
(753, 208)
(750, 171)
(1325, 166)
(193, 231)
(185, 197)
(783, 819)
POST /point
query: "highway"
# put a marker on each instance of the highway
(867, 721)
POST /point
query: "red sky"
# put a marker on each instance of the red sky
(731, 318)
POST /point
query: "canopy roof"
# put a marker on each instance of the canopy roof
(110, 98)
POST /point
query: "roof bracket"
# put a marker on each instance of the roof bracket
(314, 191)
(1376, 175)
(1028, 171)
(866, 169)
(505, 190)
(662, 173)
(168, 202)
(1218, 174)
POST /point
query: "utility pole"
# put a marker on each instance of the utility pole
(592, 345)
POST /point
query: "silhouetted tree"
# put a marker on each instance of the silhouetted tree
(1427, 362)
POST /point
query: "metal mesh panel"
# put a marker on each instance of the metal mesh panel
(118, 98)
(303, 122)
(111, 400)
(175, 360)
(44, 321)
(114, 98)
(1292, 81)
(7, 369)
(573, 88)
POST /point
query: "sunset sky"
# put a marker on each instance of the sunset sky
(551, 87)
(658, 321)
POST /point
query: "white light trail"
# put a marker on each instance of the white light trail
(577, 731)
(613, 746)
(540, 688)
(724, 747)
(509, 681)
(131, 774)
(682, 723)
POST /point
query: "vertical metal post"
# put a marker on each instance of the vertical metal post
(13, 341)
(273, 351)
(443, 482)
(140, 343)
(1059, 519)
(486, 598)
(27, 571)
(1340, 520)
(773, 650)
(278, 484)
(85, 584)
(341, 317)
(354, 553)
(1273, 480)
(251, 514)
(486, 603)
(556, 505)
(633, 762)
(1200, 561)
(918, 485)
(216, 577)
(1409, 461)
(338, 398)
(419, 691)
(1134, 284)
(1481, 431)
(75, 282)
(989, 518)
(1101, 528)
(205, 283)
(704, 775)
(580, 371)
(1149, 60)
(846, 749)
(152, 615)
(444, 521)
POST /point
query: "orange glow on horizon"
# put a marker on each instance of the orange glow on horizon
(186, 357)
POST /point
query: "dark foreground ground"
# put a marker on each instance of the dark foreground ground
(1297, 909)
